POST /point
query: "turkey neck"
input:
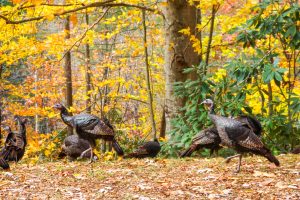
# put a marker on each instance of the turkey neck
(22, 130)
(66, 117)
(212, 109)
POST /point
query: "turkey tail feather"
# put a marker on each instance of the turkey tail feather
(187, 153)
(117, 147)
(267, 154)
(4, 164)
(5, 153)
(131, 155)
(62, 155)
(272, 158)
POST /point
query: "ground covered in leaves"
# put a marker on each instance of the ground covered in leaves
(192, 178)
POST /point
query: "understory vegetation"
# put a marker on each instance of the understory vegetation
(249, 64)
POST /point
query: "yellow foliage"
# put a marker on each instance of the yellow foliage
(186, 31)
(50, 17)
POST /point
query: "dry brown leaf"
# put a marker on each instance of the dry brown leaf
(263, 174)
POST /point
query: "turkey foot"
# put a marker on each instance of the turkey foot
(239, 165)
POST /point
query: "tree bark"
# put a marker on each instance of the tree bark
(162, 133)
(68, 73)
(270, 92)
(36, 117)
(88, 72)
(148, 81)
(211, 31)
(179, 54)
(1, 96)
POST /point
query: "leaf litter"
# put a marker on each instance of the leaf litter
(190, 178)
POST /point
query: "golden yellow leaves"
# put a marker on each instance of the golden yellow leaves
(73, 19)
(196, 43)
(36, 2)
(186, 31)
(219, 75)
(50, 17)
(205, 4)
(17, 1)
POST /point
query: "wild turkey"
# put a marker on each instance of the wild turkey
(3, 153)
(89, 127)
(15, 142)
(296, 150)
(147, 150)
(236, 135)
(74, 147)
(209, 138)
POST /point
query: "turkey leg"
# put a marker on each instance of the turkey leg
(228, 159)
(83, 153)
(239, 166)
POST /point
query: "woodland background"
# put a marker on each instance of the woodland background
(94, 56)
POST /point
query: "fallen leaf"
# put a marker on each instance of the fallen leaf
(294, 186)
(246, 185)
(205, 170)
(280, 185)
(266, 182)
(263, 174)
(227, 191)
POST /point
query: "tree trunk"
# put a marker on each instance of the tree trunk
(1, 95)
(148, 81)
(270, 92)
(211, 31)
(179, 54)
(88, 73)
(68, 72)
(270, 99)
(36, 117)
(162, 133)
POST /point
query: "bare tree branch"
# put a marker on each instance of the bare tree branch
(85, 32)
(83, 7)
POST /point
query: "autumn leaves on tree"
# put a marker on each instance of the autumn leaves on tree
(145, 65)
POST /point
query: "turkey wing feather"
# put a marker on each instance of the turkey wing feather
(86, 121)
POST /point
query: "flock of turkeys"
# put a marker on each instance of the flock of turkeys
(241, 133)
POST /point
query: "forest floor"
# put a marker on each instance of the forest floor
(191, 178)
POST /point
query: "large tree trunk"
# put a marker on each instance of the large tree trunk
(179, 54)
(68, 72)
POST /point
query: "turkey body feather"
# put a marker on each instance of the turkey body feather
(74, 146)
(147, 150)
